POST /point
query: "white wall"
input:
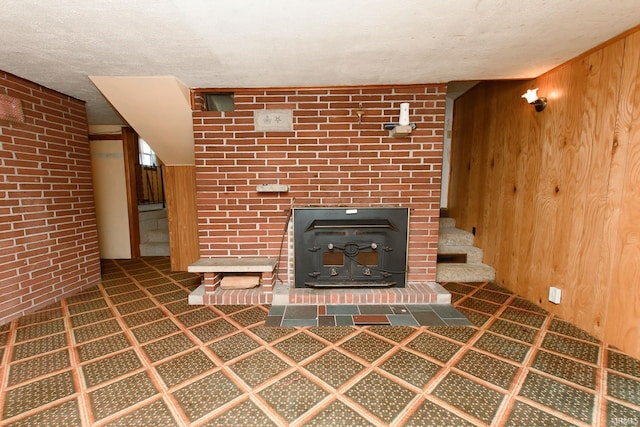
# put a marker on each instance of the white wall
(110, 192)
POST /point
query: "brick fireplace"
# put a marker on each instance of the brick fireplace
(337, 153)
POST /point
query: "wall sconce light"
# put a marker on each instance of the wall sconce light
(404, 127)
(360, 113)
(532, 98)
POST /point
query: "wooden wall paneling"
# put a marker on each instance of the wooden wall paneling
(566, 202)
(591, 166)
(130, 150)
(514, 240)
(180, 194)
(621, 249)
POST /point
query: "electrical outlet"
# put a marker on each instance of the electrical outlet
(555, 294)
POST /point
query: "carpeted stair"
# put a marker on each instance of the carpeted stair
(458, 259)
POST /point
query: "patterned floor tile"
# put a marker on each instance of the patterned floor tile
(488, 368)
(626, 389)
(143, 317)
(338, 414)
(492, 286)
(229, 309)
(39, 330)
(39, 317)
(429, 414)
(66, 414)
(199, 398)
(96, 330)
(33, 368)
(388, 401)
(128, 297)
(487, 295)
(249, 317)
(153, 414)
(117, 396)
(184, 367)
(477, 319)
(570, 347)
(87, 306)
(566, 328)
(154, 330)
(411, 368)
(527, 305)
(292, 396)
(433, 346)
(366, 346)
(502, 347)
(567, 369)
(554, 394)
(393, 333)
(135, 306)
(39, 346)
(458, 287)
(299, 347)
(197, 317)
(167, 347)
(212, 330)
(270, 334)
(480, 305)
(102, 347)
(180, 295)
(514, 330)
(365, 362)
(334, 368)
(524, 317)
(38, 393)
(526, 415)
(121, 287)
(469, 396)
(619, 415)
(332, 334)
(178, 307)
(111, 367)
(89, 317)
(246, 414)
(624, 364)
(233, 346)
(259, 367)
(458, 333)
(161, 289)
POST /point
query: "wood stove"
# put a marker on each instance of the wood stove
(350, 247)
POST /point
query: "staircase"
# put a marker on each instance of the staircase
(154, 233)
(458, 259)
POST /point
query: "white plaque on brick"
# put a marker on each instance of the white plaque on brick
(273, 120)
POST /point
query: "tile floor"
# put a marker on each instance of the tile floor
(363, 315)
(131, 351)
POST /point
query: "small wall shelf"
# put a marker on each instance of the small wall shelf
(397, 130)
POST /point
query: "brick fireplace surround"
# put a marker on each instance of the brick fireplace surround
(329, 159)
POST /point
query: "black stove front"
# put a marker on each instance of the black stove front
(348, 247)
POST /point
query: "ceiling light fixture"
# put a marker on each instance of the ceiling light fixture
(532, 98)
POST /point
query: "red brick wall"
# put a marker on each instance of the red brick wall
(328, 160)
(48, 235)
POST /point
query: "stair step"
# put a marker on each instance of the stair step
(156, 236)
(449, 236)
(455, 272)
(474, 255)
(155, 249)
(447, 222)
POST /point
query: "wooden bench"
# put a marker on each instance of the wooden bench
(213, 269)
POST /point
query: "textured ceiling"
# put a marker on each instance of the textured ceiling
(275, 43)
